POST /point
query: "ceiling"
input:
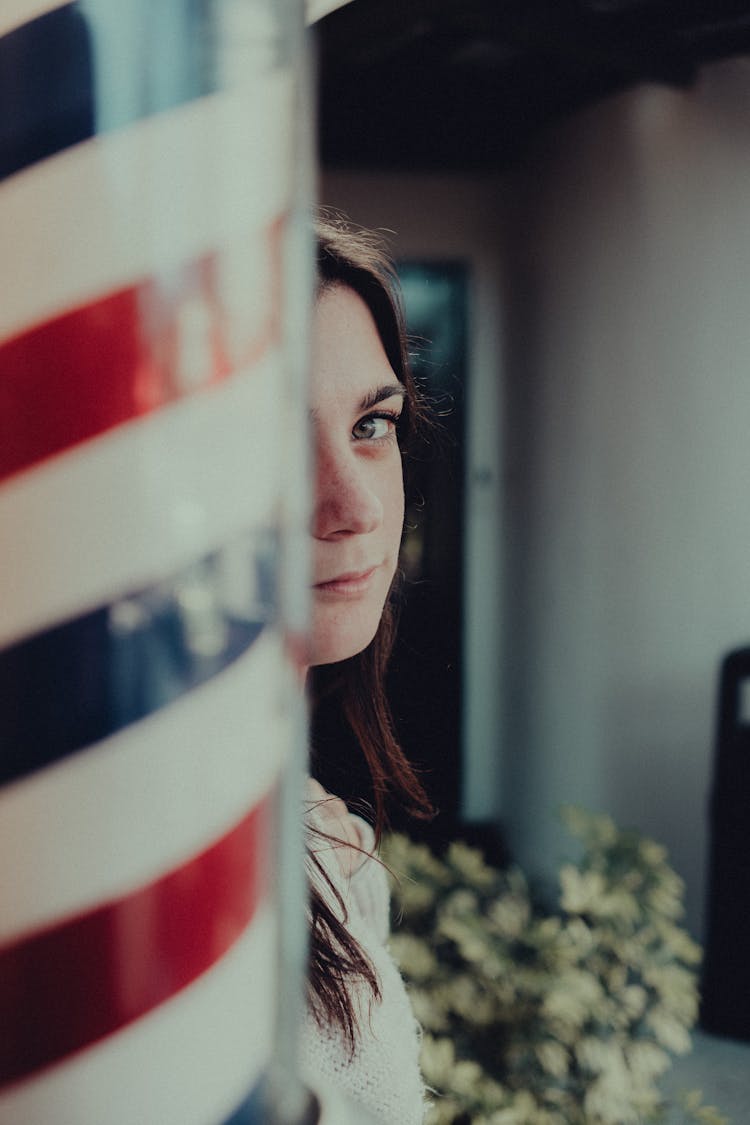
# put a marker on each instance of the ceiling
(464, 84)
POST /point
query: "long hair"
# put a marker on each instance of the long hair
(357, 259)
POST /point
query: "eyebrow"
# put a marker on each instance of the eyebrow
(380, 394)
(372, 398)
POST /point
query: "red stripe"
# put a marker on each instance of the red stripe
(68, 986)
(116, 358)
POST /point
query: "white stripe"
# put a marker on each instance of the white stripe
(139, 201)
(135, 505)
(15, 13)
(190, 1062)
(102, 823)
(318, 9)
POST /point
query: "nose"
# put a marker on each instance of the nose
(345, 503)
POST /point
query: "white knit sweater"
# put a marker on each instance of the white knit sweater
(383, 1074)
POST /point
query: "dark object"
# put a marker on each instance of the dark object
(725, 1006)
(465, 84)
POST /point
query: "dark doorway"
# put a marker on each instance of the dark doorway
(426, 670)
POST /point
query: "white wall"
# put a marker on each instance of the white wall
(629, 462)
(455, 217)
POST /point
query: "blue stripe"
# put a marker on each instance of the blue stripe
(253, 1111)
(92, 66)
(257, 1110)
(73, 685)
(46, 88)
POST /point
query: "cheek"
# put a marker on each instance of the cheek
(393, 507)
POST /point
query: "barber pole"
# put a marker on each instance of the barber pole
(149, 416)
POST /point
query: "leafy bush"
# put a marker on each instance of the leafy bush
(538, 1018)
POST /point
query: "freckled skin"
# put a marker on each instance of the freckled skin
(358, 510)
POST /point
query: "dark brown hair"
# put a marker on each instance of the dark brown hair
(356, 258)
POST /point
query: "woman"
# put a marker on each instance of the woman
(360, 1033)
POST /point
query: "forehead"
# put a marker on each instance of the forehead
(348, 357)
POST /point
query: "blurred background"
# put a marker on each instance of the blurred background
(566, 188)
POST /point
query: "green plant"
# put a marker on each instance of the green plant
(533, 1017)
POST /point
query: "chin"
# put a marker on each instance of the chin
(333, 646)
(342, 628)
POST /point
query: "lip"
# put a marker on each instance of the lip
(350, 583)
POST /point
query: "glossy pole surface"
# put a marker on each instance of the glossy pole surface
(148, 709)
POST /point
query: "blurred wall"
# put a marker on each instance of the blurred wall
(628, 462)
(611, 378)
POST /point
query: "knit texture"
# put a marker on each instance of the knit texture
(383, 1075)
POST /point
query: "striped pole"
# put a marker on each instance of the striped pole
(146, 706)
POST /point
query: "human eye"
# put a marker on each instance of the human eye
(380, 426)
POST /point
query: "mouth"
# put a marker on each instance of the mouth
(351, 583)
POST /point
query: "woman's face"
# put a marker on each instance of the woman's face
(358, 510)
